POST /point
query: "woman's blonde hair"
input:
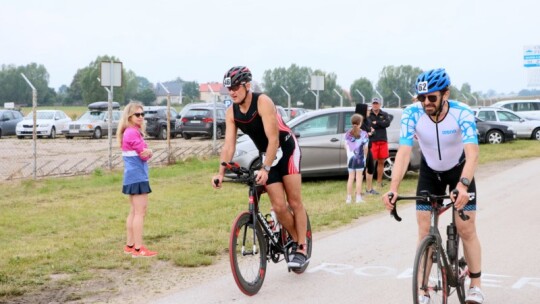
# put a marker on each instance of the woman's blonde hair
(356, 121)
(124, 122)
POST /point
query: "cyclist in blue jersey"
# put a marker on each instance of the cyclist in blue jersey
(446, 132)
(256, 115)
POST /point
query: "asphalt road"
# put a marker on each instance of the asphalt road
(370, 262)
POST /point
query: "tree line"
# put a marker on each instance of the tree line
(395, 85)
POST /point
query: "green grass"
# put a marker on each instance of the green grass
(74, 226)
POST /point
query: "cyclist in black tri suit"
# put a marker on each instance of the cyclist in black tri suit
(256, 115)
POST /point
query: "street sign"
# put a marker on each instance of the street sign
(531, 56)
(111, 74)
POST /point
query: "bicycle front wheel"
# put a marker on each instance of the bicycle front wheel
(429, 274)
(460, 272)
(247, 254)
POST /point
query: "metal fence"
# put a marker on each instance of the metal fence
(63, 157)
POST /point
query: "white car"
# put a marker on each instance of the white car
(48, 123)
(529, 109)
(524, 128)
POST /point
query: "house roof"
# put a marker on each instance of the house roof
(174, 87)
(216, 87)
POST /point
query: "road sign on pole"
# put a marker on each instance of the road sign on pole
(531, 56)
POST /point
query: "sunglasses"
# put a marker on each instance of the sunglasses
(138, 114)
(234, 88)
(431, 98)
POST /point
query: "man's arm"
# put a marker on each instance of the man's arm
(267, 111)
(471, 163)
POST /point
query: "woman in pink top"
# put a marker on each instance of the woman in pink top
(135, 153)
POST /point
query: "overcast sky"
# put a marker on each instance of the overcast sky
(478, 41)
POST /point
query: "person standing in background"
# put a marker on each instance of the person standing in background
(135, 154)
(356, 145)
(379, 140)
(362, 109)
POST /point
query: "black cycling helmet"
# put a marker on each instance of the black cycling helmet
(236, 75)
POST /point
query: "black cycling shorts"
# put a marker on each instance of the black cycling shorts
(439, 183)
(289, 162)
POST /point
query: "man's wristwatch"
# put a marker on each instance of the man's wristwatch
(465, 181)
(266, 168)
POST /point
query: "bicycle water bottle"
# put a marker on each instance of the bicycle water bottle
(451, 241)
(276, 225)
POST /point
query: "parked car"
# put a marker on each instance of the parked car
(320, 135)
(190, 106)
(8, 121)
(529, 109)
(48, 123)
(294, 112)
(524, 128)
(94, 123)
(156, 121)
(283, 113)
(491, 132)
(199, 121)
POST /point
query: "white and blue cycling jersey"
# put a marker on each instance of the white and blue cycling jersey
(441, 143)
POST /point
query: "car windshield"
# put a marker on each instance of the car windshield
(93, 116)
(41, 115)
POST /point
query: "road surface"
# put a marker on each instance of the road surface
(371, 262)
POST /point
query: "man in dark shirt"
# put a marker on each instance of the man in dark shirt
(379, 140)
(256, 115)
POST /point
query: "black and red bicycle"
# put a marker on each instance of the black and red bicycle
(256, 238)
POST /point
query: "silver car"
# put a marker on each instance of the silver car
(94, 123)
(320, 134)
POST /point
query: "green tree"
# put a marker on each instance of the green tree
(400, 80)
(146, 96)
(190, 92)
(14, 88)
(85, 86)
(365, 87)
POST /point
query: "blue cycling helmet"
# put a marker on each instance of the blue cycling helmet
(432, 81)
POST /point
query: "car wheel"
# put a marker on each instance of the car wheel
(494, 137)
(97, 133)
(0, 133)
(219, 133)
(20, 137)
(389, 165)
(53, 133)
(536, 134)
(162, 133)
(186, 136)
(69, 137)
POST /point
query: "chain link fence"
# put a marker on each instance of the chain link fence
(68, 157)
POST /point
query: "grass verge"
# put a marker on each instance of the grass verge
(67, 228)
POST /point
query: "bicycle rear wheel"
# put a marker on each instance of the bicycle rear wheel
(309, 247)
(429, 274)
(247, 254)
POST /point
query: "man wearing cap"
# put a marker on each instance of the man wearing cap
(380, 120)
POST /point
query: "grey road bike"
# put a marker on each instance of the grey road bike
(438, 271)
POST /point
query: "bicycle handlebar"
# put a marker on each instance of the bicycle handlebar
(427, 197)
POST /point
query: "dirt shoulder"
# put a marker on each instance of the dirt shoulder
(128, 286)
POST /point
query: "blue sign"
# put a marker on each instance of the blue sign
(531, 56)
(227, 102)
